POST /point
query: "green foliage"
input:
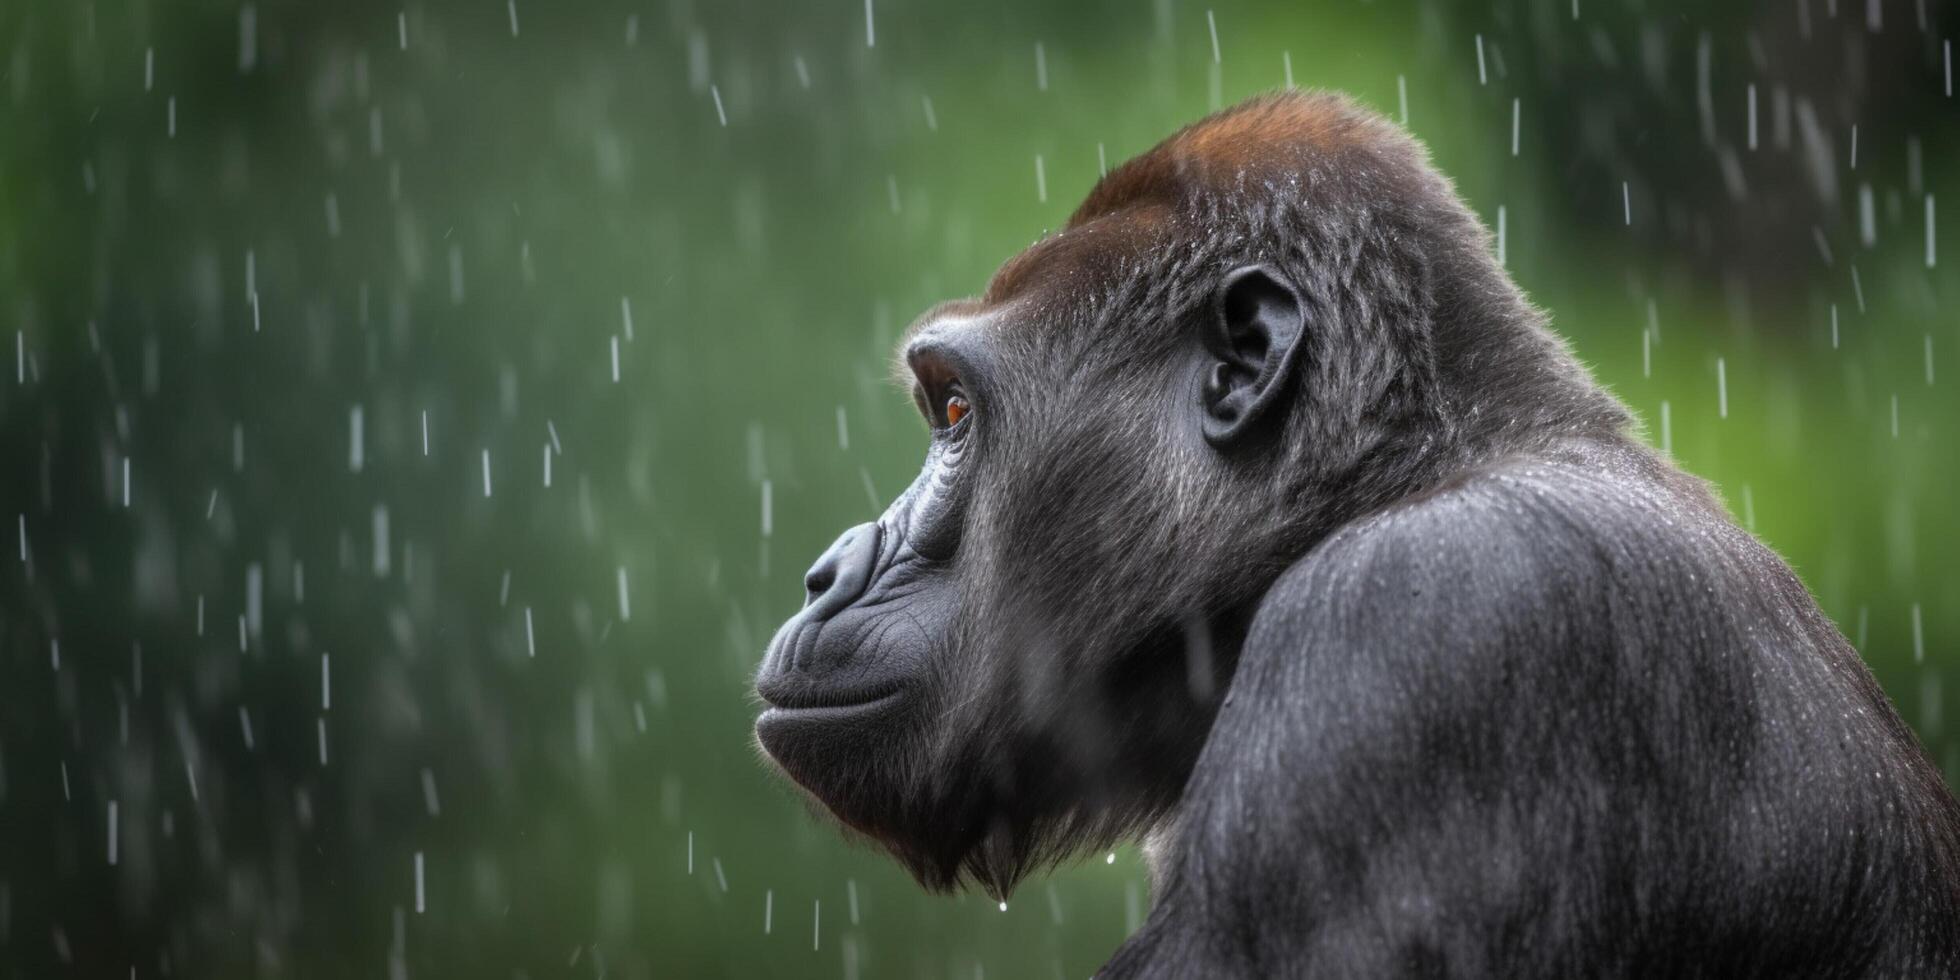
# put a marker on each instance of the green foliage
(450, 228)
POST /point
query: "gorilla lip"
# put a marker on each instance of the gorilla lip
(805, 702)
(803, 719)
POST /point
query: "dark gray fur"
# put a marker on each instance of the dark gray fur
(1503, 693)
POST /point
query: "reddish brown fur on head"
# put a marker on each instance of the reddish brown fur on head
(1272, 137)
(1281, 137)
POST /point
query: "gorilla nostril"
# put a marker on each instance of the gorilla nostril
(839, 576)
(819, 580)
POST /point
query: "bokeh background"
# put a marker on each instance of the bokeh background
(416, 418)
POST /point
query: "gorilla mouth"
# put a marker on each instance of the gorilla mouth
(793, 720)
(804, 699)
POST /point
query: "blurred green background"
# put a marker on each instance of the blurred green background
(306, 671)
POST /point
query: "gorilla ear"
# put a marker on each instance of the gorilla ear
(1252, 338)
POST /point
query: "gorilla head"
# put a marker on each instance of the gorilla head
(1144, 420)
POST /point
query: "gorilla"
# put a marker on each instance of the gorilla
(1266, 522)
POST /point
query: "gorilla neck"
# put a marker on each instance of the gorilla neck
(1506, 384)
(1492, 383)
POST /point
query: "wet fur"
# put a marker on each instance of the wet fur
(1484, 687)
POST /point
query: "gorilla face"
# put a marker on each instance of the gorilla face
(853, 680)
(856, 657)
(1019, 659)
(863, 684)
(957, 685)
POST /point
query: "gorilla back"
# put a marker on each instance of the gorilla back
(1262, 518)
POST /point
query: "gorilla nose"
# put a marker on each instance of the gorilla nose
(839, 578)
(843, 571)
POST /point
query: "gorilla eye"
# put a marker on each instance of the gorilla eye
(937, 387)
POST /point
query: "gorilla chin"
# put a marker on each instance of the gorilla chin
(807, 743)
